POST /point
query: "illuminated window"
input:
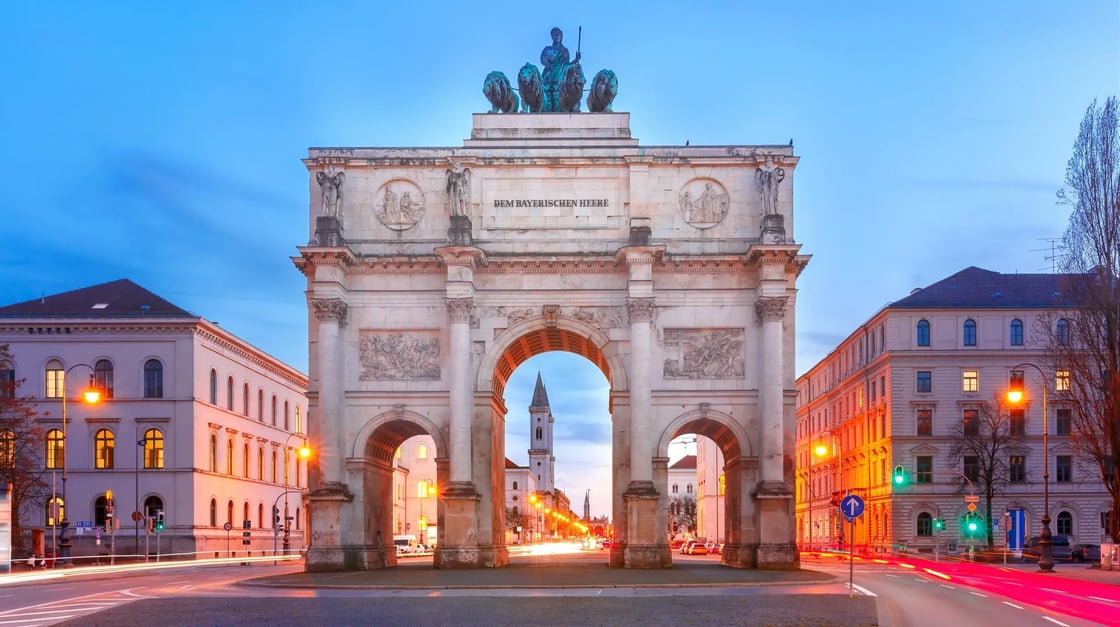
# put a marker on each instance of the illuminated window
(245, 461)
(422, 452)
(153, 448)
(53, 507)
(1018, 467)
(274, 456)
(56, 450)
(1016, 332)
(213, 452)
(55, 379)
(970, 381)
(103, 444)
(422, 488)
(260, 463)
(229, 456)
(925, 422)
(153, 379)
(7, 448)
(1061, 381)
(969, 333)
(923, 333)
(103, 377)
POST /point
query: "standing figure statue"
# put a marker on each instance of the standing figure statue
(769, 178)
(458, 189)
(330, 186)
(556, 61)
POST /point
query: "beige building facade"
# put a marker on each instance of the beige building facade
(193, 422)
(432, 273)
(901, 389)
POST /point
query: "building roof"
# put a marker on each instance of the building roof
(688, 462)
(976, 288)
(116, 299)
(540, 396)
(512, 465)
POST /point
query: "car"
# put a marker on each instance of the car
(1083, 552)
(1059, 549)
(695, 547)
(714, 549)
(684, 547)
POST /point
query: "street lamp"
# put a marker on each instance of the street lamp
(837, 450)
(423, 522)
(1015, 396)
(303, 452)
(91, 395)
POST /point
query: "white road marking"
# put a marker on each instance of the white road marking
(1102, 599)
(32, 620)
(1055, 621)
(1018, 607)
(945, 585)
(979, 594)
(863, 591)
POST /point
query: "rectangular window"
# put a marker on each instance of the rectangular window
(970, 381)
(925, 422)
(972, 468)
(1064, 421)
(1018, 421)
(925, 382)
(1018, 466)
(971, 422)
(924, 467)
(1064, 468)
(1061, 381)
(54, 383)
(8, 383)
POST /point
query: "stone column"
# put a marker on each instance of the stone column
(459, 364)
(770, 312)
(640, 311)
(331, 313)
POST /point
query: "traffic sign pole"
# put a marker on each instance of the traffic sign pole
(851, 506)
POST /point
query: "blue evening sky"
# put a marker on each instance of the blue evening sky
(161, 142)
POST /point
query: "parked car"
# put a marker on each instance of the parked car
(1082, 552)
(684, 547)
(697, 548)
(1059, 549)
(713, 548)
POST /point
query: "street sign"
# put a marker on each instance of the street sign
(136, 516)
(851, 506)
(227, 526)
(972, 507)
(972, 498)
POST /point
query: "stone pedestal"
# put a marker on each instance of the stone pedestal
(328, 232)
(645, 546)
(459, 542)
(327, 552)
(777, 548)
(460, 232)
(773, 229)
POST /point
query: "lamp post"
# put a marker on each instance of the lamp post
(423, 522)
(91, 396)
(136, 515)
(302, 452)
(837, 451)
(1015, 395)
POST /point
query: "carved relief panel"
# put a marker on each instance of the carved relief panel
(399, 204)
(399, 355)
(703, 203)
(703, 353)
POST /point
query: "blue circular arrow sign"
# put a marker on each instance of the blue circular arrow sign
(851, 506)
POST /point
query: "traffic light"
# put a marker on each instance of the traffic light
(972, 525)
(108, 510)
(159, 520)
(938, 524)
(899, 478)
(275, 517)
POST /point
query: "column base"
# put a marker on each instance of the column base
(778, 557)
(459, 547)
(643, 546)
(327, 552)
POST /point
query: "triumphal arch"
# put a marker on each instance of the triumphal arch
(432, 273)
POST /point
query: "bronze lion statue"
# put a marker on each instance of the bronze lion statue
(498, 91)
(571, 88)
(604, 87)
(530, 84)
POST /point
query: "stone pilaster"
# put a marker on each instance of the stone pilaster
(771, 312)
(640, 311)
(459, 360)
(331, 313)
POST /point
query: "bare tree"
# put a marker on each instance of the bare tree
(21, 450)
(682, 513)
(1086, 343)
(514, 518)
(982, 447)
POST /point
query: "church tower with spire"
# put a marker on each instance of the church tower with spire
(541, 461)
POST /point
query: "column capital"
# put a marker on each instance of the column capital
(640, 309)
(459, 309)
(330, 309)
(770, 309)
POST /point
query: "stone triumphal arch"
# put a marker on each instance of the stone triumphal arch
(432, 273)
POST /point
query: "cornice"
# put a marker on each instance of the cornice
(292, 376)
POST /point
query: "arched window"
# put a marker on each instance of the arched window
(245, 461)
(925, 524)
(688, 488)
(1065, 523)
(287, 424)
(287, 466)
(260, 405)
(1016, 332)
(245, 400)
(923, 333)
(153, 505)
(103, 444)
(213, 512)
(229, 393)
(514, 485)
(422, 452)
(213, 387)
(245, 512)
(229, 512)
(422, 488)
(54, 382)
(260, 515)
(540, 433)
(57, 507)
(153, 448)
(274, 466)
(99, 512)
(103, 377)
(260, 463)
(675, 488)
(970, 332)
(297, 519)
(153, 379)
(229, 456)
(7, 448)
(1061, 332)
(274, 410)
(213, 452)
(56, 450)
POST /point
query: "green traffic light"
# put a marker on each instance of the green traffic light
(899, 476)
(972, 526)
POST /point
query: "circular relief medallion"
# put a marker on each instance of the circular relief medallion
(703, 203)
(399, 204)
